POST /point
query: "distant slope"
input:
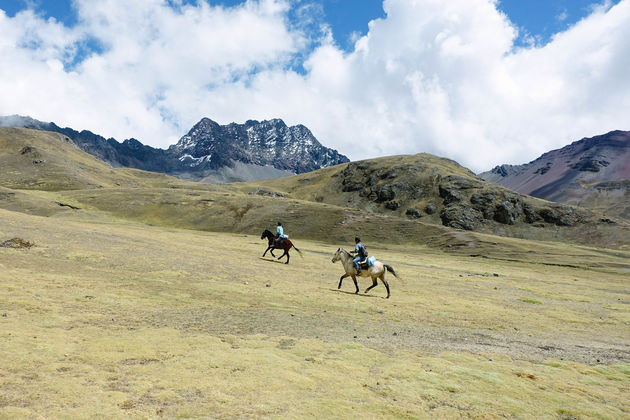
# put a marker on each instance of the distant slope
(440, 191)
(398, 199)
(593, 172)
(40, 160)
(209, 152)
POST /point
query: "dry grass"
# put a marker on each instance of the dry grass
(117, 319)
(105, 316)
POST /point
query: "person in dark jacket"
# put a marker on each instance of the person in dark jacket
(361, 252)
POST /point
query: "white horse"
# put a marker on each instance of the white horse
(377, 271)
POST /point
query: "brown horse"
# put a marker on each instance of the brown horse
(284, 245)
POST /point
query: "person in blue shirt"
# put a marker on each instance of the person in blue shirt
(361, 252)
(280, 234)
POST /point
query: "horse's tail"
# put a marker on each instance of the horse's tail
(299, 252)
(391, 270)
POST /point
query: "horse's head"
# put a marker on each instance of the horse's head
(337, 255)
(266, 234)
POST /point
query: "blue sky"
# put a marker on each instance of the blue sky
(537, 20)
(483, 82)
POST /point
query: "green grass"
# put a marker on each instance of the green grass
(533, 301)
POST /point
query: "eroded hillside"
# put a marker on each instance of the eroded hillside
(439, 191)
(397, 199)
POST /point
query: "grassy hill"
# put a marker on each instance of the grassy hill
(398, 199)
(144, 296)
(41, 160)
(441, 192)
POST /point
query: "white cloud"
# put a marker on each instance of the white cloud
(434, 76)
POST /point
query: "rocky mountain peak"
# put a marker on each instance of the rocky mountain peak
(265, 143)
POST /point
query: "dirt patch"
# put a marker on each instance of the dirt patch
(16, 243)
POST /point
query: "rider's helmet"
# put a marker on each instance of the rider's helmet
(357, 239)
(279, 224)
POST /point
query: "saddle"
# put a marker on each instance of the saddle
(367, 263)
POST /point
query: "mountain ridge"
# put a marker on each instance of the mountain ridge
(592, 172)
(208, 152)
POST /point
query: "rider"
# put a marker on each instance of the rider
(361, 252)
(280, 236)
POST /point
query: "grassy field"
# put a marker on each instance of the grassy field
(106, 318)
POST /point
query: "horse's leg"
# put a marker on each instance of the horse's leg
(356, 284)
(268, 248)
(341, 279)
(382, 277)
(285, 253)
(272, 254)
(373, 284)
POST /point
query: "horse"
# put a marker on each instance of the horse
(377, 271)
(285, 245)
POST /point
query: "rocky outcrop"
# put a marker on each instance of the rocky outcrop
(459, 199)
(469, 203)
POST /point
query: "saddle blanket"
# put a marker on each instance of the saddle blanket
(371, 261)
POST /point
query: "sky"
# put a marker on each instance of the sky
(483, 82)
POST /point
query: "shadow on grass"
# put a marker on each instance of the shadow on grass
(269, 260)
(356, 294)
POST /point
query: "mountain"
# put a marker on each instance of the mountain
(592, 172)
(209, 151)
(208, 148)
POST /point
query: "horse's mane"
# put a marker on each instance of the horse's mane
(344, 251)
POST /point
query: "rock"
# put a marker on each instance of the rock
(392, 205)
(386, 193)
(562, 215)
(16, 243)
(413, 213)
(484, 201)
(460, 217)
(349, 185)
(267, 193)
(531, 215)
(508, 213)
(430, 208)
(457, 188)
(608, 221)
(588, 164)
